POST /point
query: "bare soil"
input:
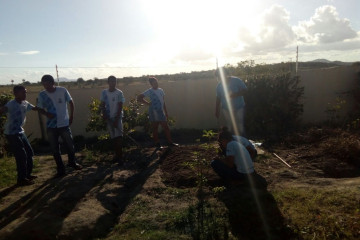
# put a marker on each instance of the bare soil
(88, 204)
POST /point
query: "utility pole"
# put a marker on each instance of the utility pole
(57, 74)
(297, 58)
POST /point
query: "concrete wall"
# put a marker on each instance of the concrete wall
(322, 86)
(192, 102)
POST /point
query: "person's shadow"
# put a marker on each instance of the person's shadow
(253, 211)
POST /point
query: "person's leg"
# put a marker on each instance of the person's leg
(17, 147)
(29, 156)
(118, 140)
(66, 136)
(228, 121)
(111, 129)
(240, 121)
(155, 129)
(118, 147)
(53, 137)
(224, 171)
(166, 129)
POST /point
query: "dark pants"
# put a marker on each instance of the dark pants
(65, 134)
(23, 153)
(226, 172)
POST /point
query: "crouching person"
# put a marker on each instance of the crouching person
(237, 164)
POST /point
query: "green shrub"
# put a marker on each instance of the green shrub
(132, 117)
(273, 104)
(4, 98)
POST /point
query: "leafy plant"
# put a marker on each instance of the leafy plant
(131, 118)
(334, 111)
(4, 98)
(273, 104)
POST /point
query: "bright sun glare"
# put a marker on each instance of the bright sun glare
(207, 25)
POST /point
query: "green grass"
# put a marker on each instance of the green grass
(320, 213)
(8, 174)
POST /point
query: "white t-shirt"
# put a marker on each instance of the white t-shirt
(56, 103)
(156, 97)
(111, 100)
(243, 141)
(242, 158)
(16, 116)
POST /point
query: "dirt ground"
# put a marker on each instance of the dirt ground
(88, 204)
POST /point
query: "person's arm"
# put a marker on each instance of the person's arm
(141, 98)
(118, 114)
(229, 161)
(242, 89)
(239, 93)
(43, 112)
(217, 107)
(102, 110)
(71, 114)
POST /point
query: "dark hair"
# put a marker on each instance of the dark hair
(47, 78)
(111, 78)
(18, 88)
(225, 134)
(152, 79)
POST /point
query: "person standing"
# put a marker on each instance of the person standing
(16, 110)
(112, 100)
(55, 100)
(158, 114)
(230, 98)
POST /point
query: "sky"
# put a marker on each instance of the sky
(98, 38)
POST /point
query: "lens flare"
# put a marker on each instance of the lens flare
(251, 181)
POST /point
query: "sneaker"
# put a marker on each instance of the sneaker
(75, 166)
(172, 144)
(158, 145)
(32, 177)
(25, 182)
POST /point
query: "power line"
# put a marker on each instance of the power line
(104, 67)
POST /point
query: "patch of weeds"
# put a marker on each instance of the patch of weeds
(35, 165)
(8, 172)
(89, 155)
(201, 221)
(218, 190)
(177, 192)
(321, 214)
(260, 158)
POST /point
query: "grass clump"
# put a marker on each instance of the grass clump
(321, 214)
(8, 173)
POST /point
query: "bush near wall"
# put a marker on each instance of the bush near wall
(273, 105)
(132, 117)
